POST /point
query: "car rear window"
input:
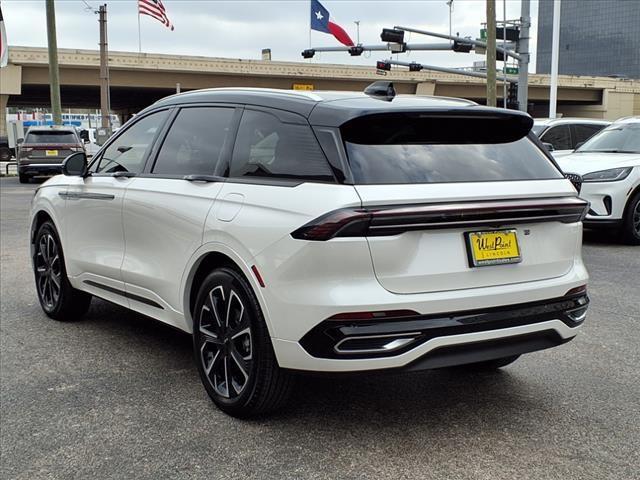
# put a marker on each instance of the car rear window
(405, 150)
(51, 137)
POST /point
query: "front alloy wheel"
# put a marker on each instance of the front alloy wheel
(631, 221)
(48, 272)
(57, 297)
(232, 347)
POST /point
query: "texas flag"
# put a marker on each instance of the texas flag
(320, 22)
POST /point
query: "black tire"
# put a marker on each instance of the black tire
(23, 178)
(489, 365)
(5, 154)
(58, 299)
(233, 352)
(631, 221)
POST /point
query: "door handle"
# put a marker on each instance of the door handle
(124, 174)
(203, 178)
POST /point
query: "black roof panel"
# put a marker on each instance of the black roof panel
(329, 108)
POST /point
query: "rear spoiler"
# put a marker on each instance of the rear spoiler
(467, 125)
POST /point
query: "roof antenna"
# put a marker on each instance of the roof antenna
(381, 90)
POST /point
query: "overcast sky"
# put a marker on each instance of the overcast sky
(240, 29)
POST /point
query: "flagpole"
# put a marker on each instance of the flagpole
(139, 35)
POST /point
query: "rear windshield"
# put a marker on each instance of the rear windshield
(444, 151)
(51, 137)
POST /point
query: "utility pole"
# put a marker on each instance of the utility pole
(105, 109)
(54, 72)
(555, 47)
(523, 50)
(491, 53)
(357, 22)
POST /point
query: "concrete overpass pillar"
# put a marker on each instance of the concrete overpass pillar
(10, 84)
(3, 114)
(426, 88)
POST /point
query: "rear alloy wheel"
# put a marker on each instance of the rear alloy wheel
(233, 349)
(57, 297)
(631, 223)
(5, 154)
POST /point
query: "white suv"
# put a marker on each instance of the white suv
(325, 231)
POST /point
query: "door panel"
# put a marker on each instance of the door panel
(163, 220)
(94, 235)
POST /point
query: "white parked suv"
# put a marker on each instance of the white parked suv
(325, 232)
(563, 135)
(609, 166)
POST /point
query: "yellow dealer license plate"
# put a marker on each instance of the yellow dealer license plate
(51, 153)
(492, 248)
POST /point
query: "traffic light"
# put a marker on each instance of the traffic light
(356, 51)
(512, 96)
(461, 47)
(309, 53)
(383, 65)
(415, 67)
(392, 35)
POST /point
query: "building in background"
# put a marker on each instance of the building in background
(597, 37)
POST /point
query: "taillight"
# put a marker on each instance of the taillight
(396, 219)
(348, 222)
(24, 151)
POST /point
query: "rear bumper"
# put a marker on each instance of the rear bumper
(435, 340)
(40, 169)
(348, 339)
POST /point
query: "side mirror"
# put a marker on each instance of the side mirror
(548, 146)
(578, 145)
(19, 141)
(75, 165)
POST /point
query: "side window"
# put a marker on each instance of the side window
(195, 142)
(268, 148)
(127, 152)
(559, 137)
(582, 133)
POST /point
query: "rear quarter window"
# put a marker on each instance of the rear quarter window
(270, 149)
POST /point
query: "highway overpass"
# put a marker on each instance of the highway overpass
(139, 79)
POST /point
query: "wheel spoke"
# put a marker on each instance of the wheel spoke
(238, 360)
(43, 250)
(56, 281)
(214, 303)
(226, 378)
(237, 317)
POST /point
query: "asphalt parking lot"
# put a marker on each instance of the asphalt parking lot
(117, 396)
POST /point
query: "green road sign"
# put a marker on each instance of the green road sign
(511, 70)
(483, 34)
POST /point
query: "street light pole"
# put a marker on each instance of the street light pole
(523, 50)
(555, 47)
(54, 72)
(491, 53)
(104, 69)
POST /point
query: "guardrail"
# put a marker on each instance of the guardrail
(9, 164)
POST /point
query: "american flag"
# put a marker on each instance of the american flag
(155, 9)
